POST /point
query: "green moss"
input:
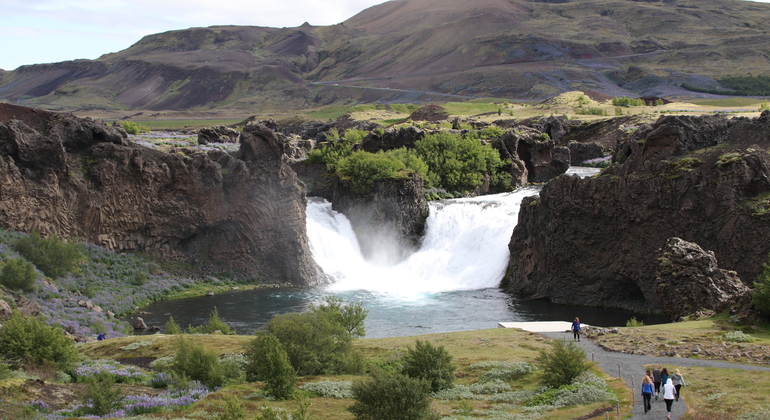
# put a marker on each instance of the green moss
(758, 206)
(729, 158)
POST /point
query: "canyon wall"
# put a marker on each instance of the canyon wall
(242, 212)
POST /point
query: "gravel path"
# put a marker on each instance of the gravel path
(632, 365)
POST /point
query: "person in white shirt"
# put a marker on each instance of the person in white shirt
(669, 393)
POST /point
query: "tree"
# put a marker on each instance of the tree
(391, 396)
(431, 363)
(196, 363)
(350, 316)
(268, 362)
(18, 274)
(315, 343)
(213, 325)
(102, 396)
(25, 342)
(172, 327)
(562, 363)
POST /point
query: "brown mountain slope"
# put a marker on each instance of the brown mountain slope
(412, 50)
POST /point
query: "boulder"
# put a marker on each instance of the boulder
(27, 307)
(138, 324)
(5, 310)
(688, 280)
(217, 134)
(536, 157)
(392, 138)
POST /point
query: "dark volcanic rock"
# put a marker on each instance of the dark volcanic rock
(594, 241)
(389, 220)
(536, 158)
(688, 280)
(78, 178)
(217, 134)
(391, 139)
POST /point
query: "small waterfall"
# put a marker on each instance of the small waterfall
(465, 247)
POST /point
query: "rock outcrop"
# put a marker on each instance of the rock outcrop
(535, 157)
(389, 220)
(688, 280)
(78, 178)
(217, 134)
(594, 241)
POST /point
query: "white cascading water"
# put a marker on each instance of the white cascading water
(465, 247)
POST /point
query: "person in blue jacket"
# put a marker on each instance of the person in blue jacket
(647, 391)
(576, 329)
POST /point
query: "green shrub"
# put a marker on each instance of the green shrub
(491, 131)
(350, 316)
(172, 327)
(139, 279)
(134, 128)
(738, 336)
(330, 389)
(562, 363)
(103, 396)
(315, 343)
(457, 163)
(50, 255)
(633, 322)
(388, 396)
(431, 363)
(329, 153)
(364, 169)
(354, 136)
(231, 409)
(213, 325)
(194, 362)
(268, 362)
(591, 111)
(27, 342)
(18, 274)
(623, 101)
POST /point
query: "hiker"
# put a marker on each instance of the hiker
(576, 329)
(669, 393)
(678, 380)
(647, 392)
(656, 380)
(664, 376)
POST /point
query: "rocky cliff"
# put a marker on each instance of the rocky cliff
(78, 178)
(594, 241)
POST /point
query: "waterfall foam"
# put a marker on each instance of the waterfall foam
(465, 247)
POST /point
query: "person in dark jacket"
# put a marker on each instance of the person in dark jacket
(576, 329)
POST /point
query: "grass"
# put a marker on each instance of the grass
(728, 102)
(191, 124)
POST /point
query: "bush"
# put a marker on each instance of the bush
(194, 362)
(50, 255)
(103, 396)
(268, 362)
(231, 410)
(456, 163)
(213, 325)
(388, 396)
(560, 365)
(491, 131)
(18, 274)
(364, 169)
(172, 327)
(315, 343)
(134, 128)
(623, 101)
(633, 322)
(26, 342)
(350, 316)
(738, 336)
(433, 364)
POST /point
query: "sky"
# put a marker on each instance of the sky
(49, 31)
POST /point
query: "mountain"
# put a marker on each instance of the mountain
(419, 50)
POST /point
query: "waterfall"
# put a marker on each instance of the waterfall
(465, 247)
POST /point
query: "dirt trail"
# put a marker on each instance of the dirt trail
(632, 366)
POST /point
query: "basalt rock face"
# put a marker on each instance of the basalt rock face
(389, 220)
(535, 157)
(688, 280)
(78, 178)
(594, 241)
